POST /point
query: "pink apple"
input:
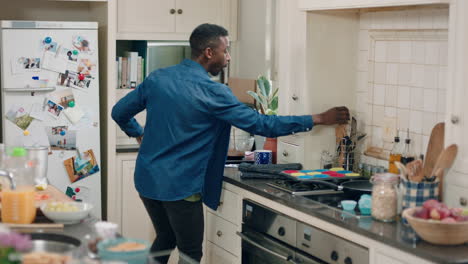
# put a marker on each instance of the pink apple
(461, 218)
(444, 213)
(449, 220)
(435, 214)
(456, 211)
(422, 213)
(432, 203)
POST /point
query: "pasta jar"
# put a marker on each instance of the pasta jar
(384, 196)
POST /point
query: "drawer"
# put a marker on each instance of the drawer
(228, 207)
(456, 196)
(222, 233)
(215, 254)
(289, 153)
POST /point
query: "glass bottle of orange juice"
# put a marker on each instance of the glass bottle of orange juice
(18, 203)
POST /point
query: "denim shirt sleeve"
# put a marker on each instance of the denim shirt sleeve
(225, 106)
(126, 108)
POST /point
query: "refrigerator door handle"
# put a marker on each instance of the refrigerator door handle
(29, 89)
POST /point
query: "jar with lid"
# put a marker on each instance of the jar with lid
(384, 196)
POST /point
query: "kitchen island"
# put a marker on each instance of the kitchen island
(387, 242)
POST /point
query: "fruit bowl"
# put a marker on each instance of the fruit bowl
(66, 212)
(437, 232)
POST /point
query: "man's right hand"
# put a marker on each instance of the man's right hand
(335, 115)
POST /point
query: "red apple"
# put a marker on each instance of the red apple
(422, 213)
(435, 214)
(449, 220)
(461, 218)
(456, 212)
(444, 213)
(432, 203)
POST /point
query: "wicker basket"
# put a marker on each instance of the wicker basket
(437, 232)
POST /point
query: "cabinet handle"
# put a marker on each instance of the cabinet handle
(179, 11)
(285, 153)
(220, 203)
(219, 233)
(463, 201)
(295, 97)
(454, 119)
(172, 11)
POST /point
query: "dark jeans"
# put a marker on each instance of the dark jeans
(177, 223)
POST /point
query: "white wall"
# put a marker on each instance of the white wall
(253, 52)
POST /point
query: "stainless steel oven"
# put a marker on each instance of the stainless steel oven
(269, 237)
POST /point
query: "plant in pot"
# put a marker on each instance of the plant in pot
(266, 102)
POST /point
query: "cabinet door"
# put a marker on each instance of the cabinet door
(145, 16)
(191, 13)
(135, 221)
(215, 254)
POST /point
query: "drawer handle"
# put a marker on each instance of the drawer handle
(179, 11)
(285, 153)
(219, 233)
(295, 97)
(463, 201)
(454, 119)
(220, 203)
(172, 11)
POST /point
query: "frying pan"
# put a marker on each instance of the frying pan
(351, 188)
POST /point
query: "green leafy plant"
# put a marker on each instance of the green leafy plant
(266, 98)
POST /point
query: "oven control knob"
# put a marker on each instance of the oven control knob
(281, 231)
(334, 255)
(348, 260)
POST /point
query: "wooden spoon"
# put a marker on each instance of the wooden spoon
(402, 168)
(444, 161)
(434, 148)
(415, 170)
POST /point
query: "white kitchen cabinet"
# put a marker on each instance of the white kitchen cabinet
(134, 220)
(215, 254)
(172, 19)
(385, 259)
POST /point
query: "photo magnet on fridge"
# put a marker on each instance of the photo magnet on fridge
(61, 138)
(65, 98)
(19, 116)
(81, 166)
(25, 64)
(53, 109)
(82, 44)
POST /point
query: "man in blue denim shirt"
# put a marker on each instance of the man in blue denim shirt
(186, 138)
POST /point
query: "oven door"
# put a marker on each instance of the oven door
(258, 248)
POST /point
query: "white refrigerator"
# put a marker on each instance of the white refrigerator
(50, 97)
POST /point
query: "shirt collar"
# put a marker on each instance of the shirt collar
(195, 66)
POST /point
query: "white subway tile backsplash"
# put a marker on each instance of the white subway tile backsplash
(430, 100)
(417, 75)
(417, 98)
(412, 20)
(431, 76)
(442, 78)
(441, 117)
(393, 51)
(400, 19)
(380, 73)
(391, 95)
(432, 52)
(424, 143)
(416, 140)
(403, 116)
(403, 97)
(380, 51)
(404, 74)
(443, 53)
(371, 70)
(426, 19)
(391, 112)
(377, 132)
(405, 51)
(441, 20)
(392, 73)
(415, 125)
(418, 52)
(378, 115)
(379, 94)
(428, 122)
(441, 101)
(370, 93)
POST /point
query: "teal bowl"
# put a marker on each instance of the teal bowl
(131, 257)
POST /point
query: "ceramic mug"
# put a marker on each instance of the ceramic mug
(262, 156)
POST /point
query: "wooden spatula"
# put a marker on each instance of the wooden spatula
(434, 148)
(444, 161)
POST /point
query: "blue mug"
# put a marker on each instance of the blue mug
(263, 156)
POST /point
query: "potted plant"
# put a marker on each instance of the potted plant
(266, 101)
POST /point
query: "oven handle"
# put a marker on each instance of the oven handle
(246, 238)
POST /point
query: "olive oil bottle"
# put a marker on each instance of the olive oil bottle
(395, 155)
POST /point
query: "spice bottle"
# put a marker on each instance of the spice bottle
(395, 155)
(384, 196)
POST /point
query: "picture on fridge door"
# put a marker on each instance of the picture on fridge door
(65, 98)
(74, 80)
(25, 64)
(53, 108)
(19, 116)
(81, 166)
(52, 46)
(61, 138)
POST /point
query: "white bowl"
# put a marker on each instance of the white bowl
(68, 218)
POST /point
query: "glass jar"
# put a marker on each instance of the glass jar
(384, 196)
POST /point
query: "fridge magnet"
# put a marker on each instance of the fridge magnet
(81, 166)
(81, 44)
(25, 64)
(78, 193)
(53, 108)
(61, 138)
(74, 114)
(19, 116)
(69, 54)
(64, 97)
(67, 79)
